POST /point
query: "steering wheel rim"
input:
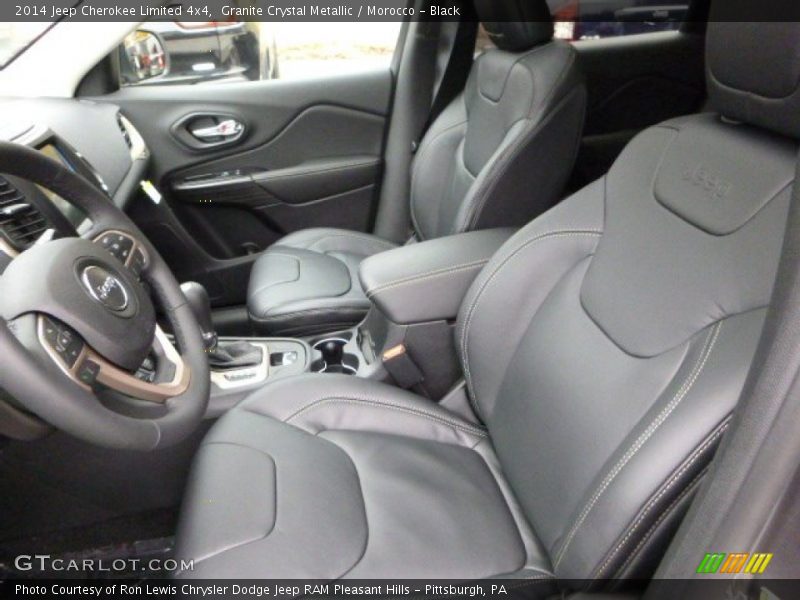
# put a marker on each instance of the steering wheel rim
(43, 387)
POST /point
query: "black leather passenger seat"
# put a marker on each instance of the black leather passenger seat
(497, 156)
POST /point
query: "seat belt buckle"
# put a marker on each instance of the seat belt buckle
(402, 367)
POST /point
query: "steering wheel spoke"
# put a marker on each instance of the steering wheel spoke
(66, 348)
(164, 374)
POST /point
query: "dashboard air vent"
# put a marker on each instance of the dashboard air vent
(125, 134)
(21, 223)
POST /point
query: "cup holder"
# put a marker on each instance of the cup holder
(333, 358)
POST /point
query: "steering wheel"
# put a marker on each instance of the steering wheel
(77, 320)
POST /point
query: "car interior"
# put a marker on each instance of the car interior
(524, 312)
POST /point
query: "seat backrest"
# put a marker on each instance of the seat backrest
(502, 151)
(606, 344)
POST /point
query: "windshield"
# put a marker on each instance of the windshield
(16, 37)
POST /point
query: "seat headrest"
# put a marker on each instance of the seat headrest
(753, 72)
(516, 25)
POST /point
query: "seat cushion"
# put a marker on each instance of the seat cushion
(327, 476)
(308, 282)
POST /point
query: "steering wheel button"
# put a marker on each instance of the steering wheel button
(138, 262)
(88, 372)
(71, 356)
(118, 245)
(51, 332)
(64, 340)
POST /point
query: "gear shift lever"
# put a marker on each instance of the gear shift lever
(200, 304)
(225, 355)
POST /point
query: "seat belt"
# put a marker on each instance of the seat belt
(456, 52)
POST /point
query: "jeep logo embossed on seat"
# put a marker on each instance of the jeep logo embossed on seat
(105, 287)
(714, 186)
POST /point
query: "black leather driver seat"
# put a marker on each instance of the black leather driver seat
(630, 314)
(497, 156)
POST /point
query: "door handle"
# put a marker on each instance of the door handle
(207, 131)
(227, 130)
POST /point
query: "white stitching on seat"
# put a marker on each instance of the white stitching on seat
(417, 412)
(427, 275)
(485, 285)
(336, 308)
(689, 488)
(258, 291)
(643, 437)
(653, 501)
(354, 236)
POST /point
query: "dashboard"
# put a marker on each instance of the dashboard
(92, 139)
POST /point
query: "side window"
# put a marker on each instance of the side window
(172, 52)
(576, 20)
(596, 19)
(316, 49)
(161, 52)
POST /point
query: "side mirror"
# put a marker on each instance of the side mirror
(142, 57)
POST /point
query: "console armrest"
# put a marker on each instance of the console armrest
(427, 281)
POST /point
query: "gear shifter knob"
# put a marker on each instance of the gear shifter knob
(200, 304)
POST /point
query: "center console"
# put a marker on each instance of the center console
(407, 339)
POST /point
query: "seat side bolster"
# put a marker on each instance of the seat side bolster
(661, 457)
(662, 511)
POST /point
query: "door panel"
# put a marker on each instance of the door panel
(635, 82)
(321, 131)
(310, 155)
(319, 179)
(265, 107)
(335, 192)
